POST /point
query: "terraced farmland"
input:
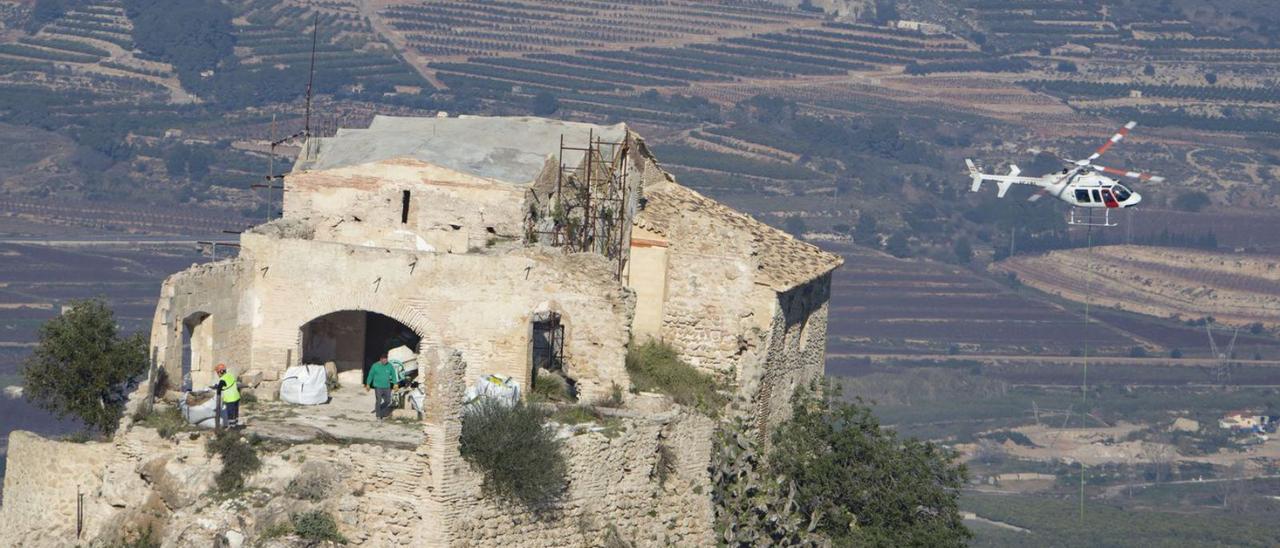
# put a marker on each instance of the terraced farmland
(458, 30)
(90, 47)
(1163, 282)
(887, 305)
(274, 36)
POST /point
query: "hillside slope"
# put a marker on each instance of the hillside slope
(1166, 282)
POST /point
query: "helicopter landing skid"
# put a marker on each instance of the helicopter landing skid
(1089, 219)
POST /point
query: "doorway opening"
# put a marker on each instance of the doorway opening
(547, 356)
(353, 340)
(197, 350)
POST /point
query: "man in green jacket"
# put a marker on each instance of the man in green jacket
(381, 378)
(230, 390)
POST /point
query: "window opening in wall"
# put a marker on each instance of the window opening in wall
(404, 208)
(548, 353)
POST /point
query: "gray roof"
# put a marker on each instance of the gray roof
(506, 148)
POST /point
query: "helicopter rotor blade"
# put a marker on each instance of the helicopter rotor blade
(1036, 197)
(1130, 174)
(1110, 142)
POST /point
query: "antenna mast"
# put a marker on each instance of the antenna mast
(311, 77)
(271, 177)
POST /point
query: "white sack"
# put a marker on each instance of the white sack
(201, 414)
(502, 388)
(304, 385)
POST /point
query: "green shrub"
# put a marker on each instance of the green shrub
(576, 414)
(167, 421)
(313, 483)
(614, 399)
(317, 526)
(656, 367)
(549, 386)
(239, 460)
(518, 455)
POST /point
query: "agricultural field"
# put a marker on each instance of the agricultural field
(1165, 282)
(89, 47)
(881, 304)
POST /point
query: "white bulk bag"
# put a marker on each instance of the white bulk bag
(304, 385)
(502, 388)
(200, 414)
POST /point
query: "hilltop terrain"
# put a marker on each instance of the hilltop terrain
(843, 121)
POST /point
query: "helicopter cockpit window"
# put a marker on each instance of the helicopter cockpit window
(1082, 195)
(1121, 193)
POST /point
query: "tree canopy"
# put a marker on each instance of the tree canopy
(81, 366)
(193, 35)
(868, 487)
(834, 477)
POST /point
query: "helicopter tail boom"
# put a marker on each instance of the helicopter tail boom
(1003, 182)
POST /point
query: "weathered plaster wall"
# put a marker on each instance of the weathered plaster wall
(212, 289)
(646, 274)
(441, 201)
(480, 304)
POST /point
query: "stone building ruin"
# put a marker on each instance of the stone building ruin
(458, 234)
(487, 245)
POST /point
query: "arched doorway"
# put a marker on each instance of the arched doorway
(354, 339)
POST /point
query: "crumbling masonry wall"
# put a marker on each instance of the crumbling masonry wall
(209, 290)
(613, 487)
(481, 305)
(794, 353)
(450, 211)
(729, 314)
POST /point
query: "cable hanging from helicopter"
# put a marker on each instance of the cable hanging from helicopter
(1081, 184)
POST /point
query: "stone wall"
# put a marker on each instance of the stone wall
(215, 292)
(794, 354)
(613, 487)
(440, 201)
(42, 484)
(742, 300)
(480, 304)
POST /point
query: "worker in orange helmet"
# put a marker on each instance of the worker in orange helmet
(230, 390)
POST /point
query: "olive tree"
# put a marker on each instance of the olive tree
(82, 365)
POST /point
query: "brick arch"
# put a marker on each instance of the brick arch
(397, 310)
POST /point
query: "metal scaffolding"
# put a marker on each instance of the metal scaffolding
(589, 208)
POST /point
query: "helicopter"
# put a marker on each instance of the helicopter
(1081, 184)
